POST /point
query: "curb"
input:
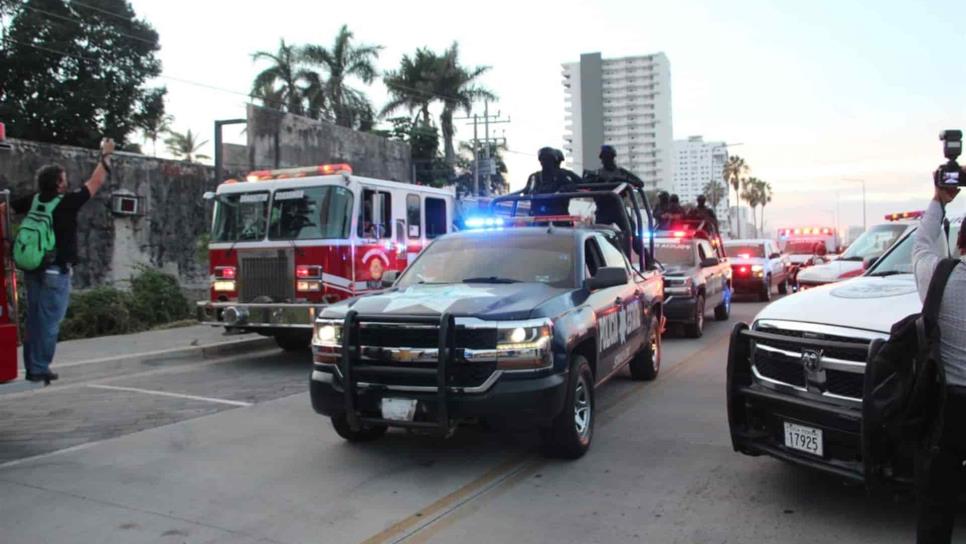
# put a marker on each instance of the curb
(206, 351)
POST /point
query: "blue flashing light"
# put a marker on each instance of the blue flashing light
(484, 223)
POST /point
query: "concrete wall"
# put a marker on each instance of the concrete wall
(281, 140)
(111, 246)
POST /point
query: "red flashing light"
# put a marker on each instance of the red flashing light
(3, 132)
(744, 255)
(287, 173)
(306, 271)
(743, 270)
(225, 272)
(904, 215)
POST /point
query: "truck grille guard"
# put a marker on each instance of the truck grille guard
(351, 352)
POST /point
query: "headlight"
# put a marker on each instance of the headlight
(223, 286)
(327, 334)
(678, 286)
(524, 345)
(757, 268)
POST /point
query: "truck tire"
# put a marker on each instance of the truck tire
(647, 361)
(723, 311)
(367, 434)
(571, 432)
(696, 329)
(765, 294)
(783, 287)
(293, 340)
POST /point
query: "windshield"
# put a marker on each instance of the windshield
(873, 242)
(899, 259)
(542, 259)
(311, 213)
(670, 254)
(745, 251)
(800, 247)
(240, 217)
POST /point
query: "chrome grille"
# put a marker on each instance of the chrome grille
(266, 275)
(841, 372)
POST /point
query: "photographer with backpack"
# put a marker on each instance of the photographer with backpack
(45, 248)
(940, 460)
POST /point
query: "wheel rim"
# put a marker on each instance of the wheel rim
(582, 408)
(699, 319)
(655, 352)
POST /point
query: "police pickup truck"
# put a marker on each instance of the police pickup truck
(757, 267)
(697, 274)
(514, 323)
(796, 376)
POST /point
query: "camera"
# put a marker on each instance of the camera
(949, 174)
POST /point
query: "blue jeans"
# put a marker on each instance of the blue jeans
(48, 293)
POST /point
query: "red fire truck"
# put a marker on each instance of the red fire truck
(9, 336)
(285, 243)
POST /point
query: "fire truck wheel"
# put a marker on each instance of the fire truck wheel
(293, 340)
(569, 436)
(696, 329)
(367, 434)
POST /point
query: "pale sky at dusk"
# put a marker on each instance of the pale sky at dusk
(815, 91)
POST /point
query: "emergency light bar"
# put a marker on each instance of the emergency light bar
(903, 215)
(805, 231)
(476, 223)
(284, 173)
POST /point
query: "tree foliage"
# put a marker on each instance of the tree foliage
(73, 72)
(714, 191)
(185, 145)
(423, 142)
(734, 170)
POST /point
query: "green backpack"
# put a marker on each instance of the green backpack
(35, 244)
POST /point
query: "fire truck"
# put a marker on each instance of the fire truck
(9, 329)
(286, 243)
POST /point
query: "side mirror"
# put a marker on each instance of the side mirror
(710, 261)
(775, 256)
(608, 276)
(869, 262)
(389, 277)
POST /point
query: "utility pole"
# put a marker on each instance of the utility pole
(487, 142)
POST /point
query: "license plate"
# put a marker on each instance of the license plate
(398, 409)
(802, 438)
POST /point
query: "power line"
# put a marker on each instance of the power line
(78, 21)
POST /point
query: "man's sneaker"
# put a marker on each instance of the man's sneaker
(47, 377)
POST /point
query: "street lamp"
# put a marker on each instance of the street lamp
(862, 181)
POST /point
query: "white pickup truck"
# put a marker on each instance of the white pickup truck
(796, 374)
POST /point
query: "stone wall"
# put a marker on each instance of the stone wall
(111, 246)
(281, 140)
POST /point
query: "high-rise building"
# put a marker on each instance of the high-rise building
(696, 163)
(626, 103)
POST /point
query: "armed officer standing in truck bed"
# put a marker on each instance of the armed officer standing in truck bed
(551, 178)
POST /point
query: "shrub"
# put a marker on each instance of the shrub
(156, 298)
(99, 312)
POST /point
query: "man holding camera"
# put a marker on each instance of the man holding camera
(940, 463)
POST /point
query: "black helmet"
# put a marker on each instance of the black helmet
(701, 200)
(546, 152)
(607, 150)
(558, 154)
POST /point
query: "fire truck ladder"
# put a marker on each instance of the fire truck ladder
(352, 355)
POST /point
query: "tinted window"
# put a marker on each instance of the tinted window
(413, 216)
(311, 213)
(542, 259)
(240, 217)
(436, 219)
(745, 251)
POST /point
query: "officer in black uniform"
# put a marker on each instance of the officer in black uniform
(703, 212)
(609, 172)
(551, 178)
(661, 209)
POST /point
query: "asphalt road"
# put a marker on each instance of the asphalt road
(229, 450)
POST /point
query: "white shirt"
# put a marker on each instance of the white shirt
(929, 248)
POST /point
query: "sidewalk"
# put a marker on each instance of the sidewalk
(111, 353)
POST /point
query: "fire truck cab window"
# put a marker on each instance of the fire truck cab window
(413, 216)
(435, 217)
(379, 227)
(311, 213)
(240, 217)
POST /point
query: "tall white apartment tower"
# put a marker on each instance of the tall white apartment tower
(697, 162)
(625, 103)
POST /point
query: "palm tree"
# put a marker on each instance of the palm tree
(282, 77)
(411, 86)
(765, 194)
(749, 193)
(454, 85)
(733, 170)
(185, 145)
(271, 97)
(345, 60)
(154, 128)
(714, 191)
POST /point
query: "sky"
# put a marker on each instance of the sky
(812, 94)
